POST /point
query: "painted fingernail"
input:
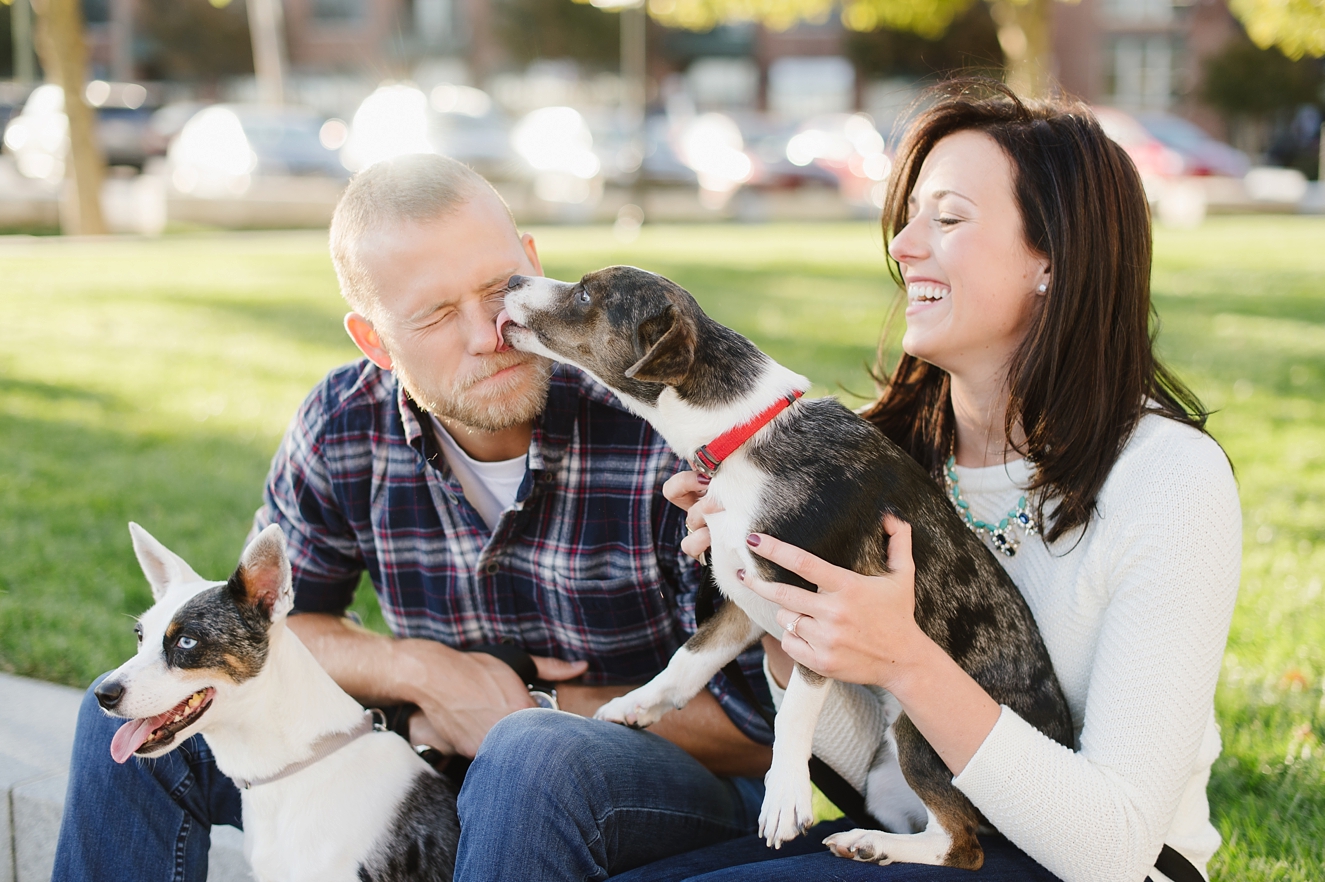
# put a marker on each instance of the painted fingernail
(704, 479)
(752, 539)
(740, 574)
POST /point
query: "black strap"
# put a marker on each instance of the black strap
(519, 660)
(1177, 867)
(829, 782)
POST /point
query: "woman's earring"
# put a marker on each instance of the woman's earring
(1043, 287)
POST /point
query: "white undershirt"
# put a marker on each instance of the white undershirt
(489, 486)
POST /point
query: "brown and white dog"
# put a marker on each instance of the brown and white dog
(822, 478)
(329, 797)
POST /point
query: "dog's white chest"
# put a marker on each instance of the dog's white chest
(740, 488)
(322, 823)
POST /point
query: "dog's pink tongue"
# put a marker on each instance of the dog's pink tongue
(503, 319)
(131, 736)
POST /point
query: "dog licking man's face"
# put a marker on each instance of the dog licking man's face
(631, 329)
(200, 640)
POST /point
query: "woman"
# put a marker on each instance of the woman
(1029, 383)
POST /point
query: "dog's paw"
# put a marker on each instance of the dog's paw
(788, 809)
(860, 845)
(633, 709)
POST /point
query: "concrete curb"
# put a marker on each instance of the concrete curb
(36, 740)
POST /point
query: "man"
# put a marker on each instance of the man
(491, 497)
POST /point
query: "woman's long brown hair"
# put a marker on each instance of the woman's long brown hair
(1086, 371)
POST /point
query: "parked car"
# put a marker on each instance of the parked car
(557, 147)
(1201, 154)
(456, 121)
(465, 124)
(12, 97)
(167, 122)
(651, 161)
(766, 140)
(848, 146)
(661, 165)
(1148, 153)
(224, 146)
(39, 136)
(1164, 146)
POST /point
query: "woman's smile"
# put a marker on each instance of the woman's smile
(923, 295)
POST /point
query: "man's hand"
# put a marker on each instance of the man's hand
(463, 694)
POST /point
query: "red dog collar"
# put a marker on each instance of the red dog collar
(710, 456)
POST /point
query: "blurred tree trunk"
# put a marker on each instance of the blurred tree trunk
(64, 56)
(25, 67)
(1025, 33)
(266, 22)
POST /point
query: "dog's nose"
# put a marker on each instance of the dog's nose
(109, 693)
(515, 282)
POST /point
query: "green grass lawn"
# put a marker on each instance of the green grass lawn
(151, 381)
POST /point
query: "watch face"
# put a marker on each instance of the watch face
(545, 699)
(431, 755)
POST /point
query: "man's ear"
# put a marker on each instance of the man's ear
(263, 576)
(161, 566)
(365, 336)
(531, 252)
(668, 343)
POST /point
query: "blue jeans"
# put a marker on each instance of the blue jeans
(550, 796)
(806, 860)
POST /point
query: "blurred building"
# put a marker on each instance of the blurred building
(1133, 54)
(388, 37)
(1141, 55)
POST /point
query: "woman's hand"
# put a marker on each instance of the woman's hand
(688, 491)
(860, 629)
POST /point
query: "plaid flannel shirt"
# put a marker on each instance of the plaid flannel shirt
(585, 565)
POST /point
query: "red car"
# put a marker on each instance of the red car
(1166, 146)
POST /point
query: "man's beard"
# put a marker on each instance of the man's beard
(518, 400)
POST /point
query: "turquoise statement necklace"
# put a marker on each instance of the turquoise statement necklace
(1000, 534)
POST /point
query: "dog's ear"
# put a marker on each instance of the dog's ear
(263, 576)
(161, 566)
(667, 341)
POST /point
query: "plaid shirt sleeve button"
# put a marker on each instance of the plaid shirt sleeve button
(492, 568)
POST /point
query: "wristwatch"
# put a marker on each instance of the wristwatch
(431, 755)
(545, 697)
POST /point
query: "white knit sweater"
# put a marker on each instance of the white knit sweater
(1135, 614)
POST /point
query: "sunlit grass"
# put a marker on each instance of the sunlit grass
(151, 380)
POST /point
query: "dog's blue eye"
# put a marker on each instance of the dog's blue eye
(186, 642)
(584, 296)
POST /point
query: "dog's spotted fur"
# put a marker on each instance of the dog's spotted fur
(231, 633)
(821, 478)
(418, 848)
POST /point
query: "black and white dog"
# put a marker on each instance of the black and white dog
(822, 478)
(327, 795)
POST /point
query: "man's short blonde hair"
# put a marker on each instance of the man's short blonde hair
(416, 188)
